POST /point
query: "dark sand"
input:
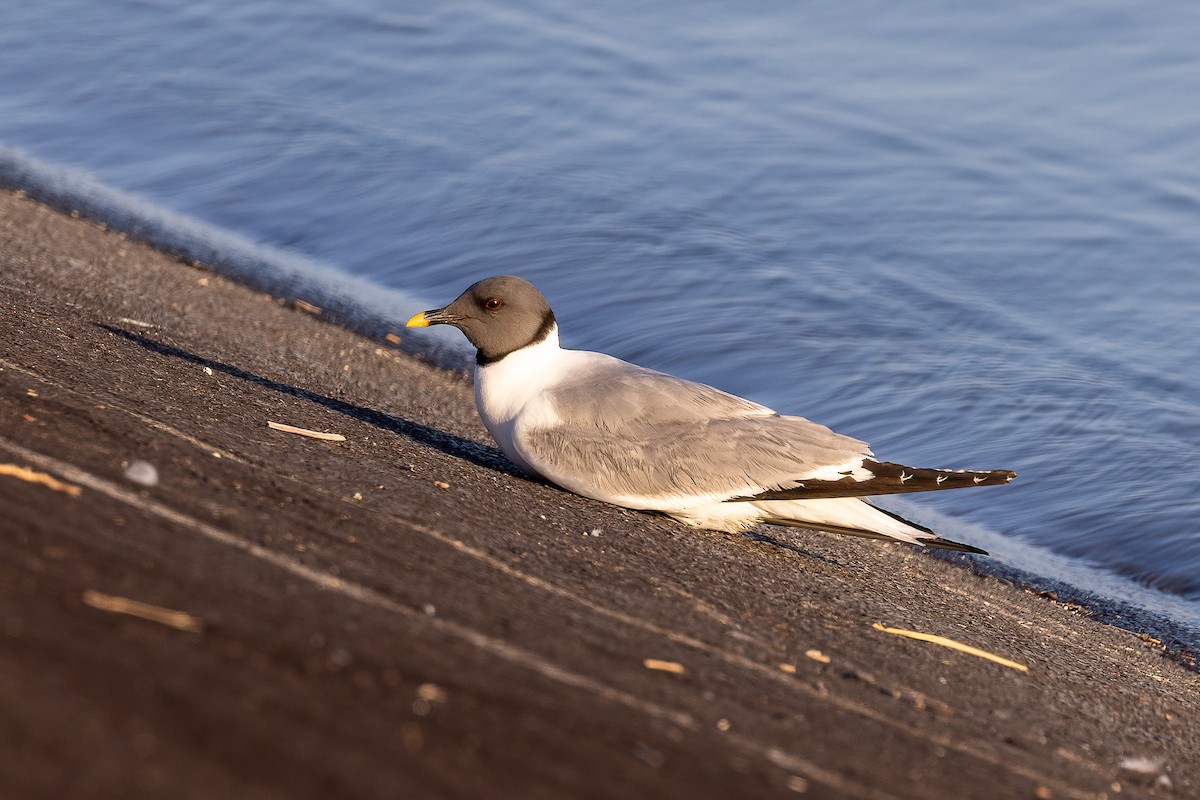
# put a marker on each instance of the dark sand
(401, 616)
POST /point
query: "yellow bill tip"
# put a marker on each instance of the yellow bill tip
(417, 321)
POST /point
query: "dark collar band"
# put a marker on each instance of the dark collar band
(543, 331)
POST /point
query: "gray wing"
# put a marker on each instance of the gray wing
(626, 431)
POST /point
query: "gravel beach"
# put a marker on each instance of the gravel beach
(195, 604)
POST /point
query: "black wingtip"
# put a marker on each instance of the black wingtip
(886, 478)
(934, 540)
(946, 544)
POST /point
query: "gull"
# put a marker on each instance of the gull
(620, 433)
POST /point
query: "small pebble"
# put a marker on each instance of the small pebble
(1142, 765)
(143, 473)
(340, 657)
(797, 784)
(1151, 770)
(431, 692)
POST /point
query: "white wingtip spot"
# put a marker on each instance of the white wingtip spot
(979, 478)
(942, 479)
(905, 477)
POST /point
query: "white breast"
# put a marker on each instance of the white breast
(513, 389)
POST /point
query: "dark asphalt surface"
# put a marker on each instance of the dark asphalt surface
(400, 615)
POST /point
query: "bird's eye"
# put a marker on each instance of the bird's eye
(492, 303)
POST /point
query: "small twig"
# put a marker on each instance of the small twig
(26, 474)
(180, 620)
(953, 645)
(663, 666)
(328, 437)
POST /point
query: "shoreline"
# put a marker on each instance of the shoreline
(401, 610)
(1112, 598)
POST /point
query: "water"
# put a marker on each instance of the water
(968, 235)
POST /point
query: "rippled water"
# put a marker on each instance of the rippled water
(967, 234)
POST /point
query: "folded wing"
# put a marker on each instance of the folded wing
(625, 432)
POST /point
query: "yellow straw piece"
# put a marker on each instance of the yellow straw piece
(663, 666)
(180, 620)
(953, 645)
(26, 474)
(328, 437)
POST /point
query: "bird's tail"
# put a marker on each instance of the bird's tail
(855, 517)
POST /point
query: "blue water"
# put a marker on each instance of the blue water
(968, 234)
